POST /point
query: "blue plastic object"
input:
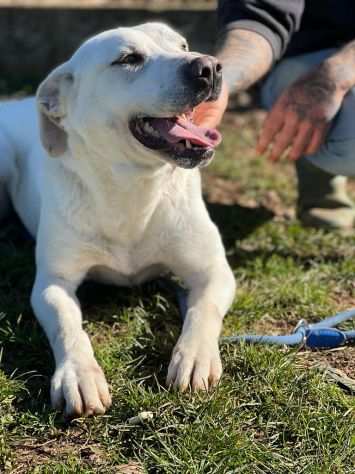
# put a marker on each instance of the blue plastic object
(325, 337)
(321, 335)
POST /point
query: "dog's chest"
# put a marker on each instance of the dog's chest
(123, 231)
(104, 274)
(124, 266)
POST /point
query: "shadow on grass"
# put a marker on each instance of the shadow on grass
(237, 222)
(25, 353)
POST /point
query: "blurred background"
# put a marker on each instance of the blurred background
(36, 35)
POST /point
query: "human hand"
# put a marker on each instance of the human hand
(209, 114)
(300, 118)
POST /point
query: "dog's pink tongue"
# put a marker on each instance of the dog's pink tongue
(181, 129)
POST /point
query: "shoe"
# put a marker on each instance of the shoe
(338, 218)
(323, 201)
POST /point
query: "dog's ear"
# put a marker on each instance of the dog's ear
(52, 97)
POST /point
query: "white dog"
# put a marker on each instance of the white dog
(107, 181)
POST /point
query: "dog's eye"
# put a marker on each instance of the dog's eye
(185, 46)
(130, 59)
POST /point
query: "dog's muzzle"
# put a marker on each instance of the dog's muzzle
(176, 137)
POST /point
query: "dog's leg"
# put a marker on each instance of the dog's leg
(78, 381)
(196, 360)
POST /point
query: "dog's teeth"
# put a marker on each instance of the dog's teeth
(188, 144)
(148, 128)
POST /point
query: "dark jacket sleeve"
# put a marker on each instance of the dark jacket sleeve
(276, 20)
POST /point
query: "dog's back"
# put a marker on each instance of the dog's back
(21, 156)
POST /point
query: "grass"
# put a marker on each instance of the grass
(273, 412)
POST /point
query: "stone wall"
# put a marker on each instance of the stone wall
(33, 41)
(146, 4)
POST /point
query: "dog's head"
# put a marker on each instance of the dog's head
(133, 91)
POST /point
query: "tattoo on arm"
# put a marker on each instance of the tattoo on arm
(341, 67)
(246, 57)
(313, 96)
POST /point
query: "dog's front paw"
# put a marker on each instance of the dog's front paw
(195, 363)
(80, 388)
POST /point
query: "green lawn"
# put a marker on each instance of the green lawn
(273, 412)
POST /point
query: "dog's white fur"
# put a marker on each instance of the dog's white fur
(105, 207)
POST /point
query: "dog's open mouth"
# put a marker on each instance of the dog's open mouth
(182, 141)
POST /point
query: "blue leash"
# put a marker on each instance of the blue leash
(322, 335)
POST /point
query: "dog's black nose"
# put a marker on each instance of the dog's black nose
(205, 71)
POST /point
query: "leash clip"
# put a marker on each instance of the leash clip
(302, 327)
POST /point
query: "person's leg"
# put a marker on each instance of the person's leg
(323, 201)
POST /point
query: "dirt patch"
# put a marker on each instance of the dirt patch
(92, 455)
(273, 327)
(30, 453)
(224, 191)
(341, 358)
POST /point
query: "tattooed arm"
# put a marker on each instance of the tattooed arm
(341, 67)
(255, 33)
(246, 56)
(300, 118)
